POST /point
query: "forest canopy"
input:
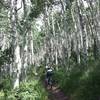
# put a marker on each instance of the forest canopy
(64, 34)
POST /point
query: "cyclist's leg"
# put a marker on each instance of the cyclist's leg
(46, 81)
(50, 82)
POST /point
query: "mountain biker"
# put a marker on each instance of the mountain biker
(49, 73)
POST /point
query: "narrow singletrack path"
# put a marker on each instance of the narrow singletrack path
(56, 94)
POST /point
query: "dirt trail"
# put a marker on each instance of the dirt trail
(56, 94)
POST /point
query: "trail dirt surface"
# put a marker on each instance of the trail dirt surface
(56, 94)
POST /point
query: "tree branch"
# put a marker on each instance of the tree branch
(20, 7)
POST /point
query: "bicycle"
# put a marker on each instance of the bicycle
(48, 82)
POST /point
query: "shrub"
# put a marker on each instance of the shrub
(81, 83)
(32, 90)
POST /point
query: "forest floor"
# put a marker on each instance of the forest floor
(56, 94)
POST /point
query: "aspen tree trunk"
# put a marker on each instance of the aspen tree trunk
(24, 47)
(79, 27)
(77, 31)
(10, 20)
(47, 34)
(31, 44)
(15, 40)
(25, 59)
(66, 40)
(95, 26)
(29, 48)
(54, 35)
(83, 31)
(27, 42)
(64, 33)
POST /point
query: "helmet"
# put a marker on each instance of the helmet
(46, 67)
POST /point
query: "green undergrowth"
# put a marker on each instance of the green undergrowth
(81, 82)
(31, 90)
(2, 95)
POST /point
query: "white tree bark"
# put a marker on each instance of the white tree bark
(17, 61)
(15, 41)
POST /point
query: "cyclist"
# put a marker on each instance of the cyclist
(49, 73)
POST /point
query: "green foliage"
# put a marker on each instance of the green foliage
(37, 8)
(31, 90)
(68, 81)
(81, 83)
(5, 56)
(1, 95)
(5, 86)
(90, 88)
